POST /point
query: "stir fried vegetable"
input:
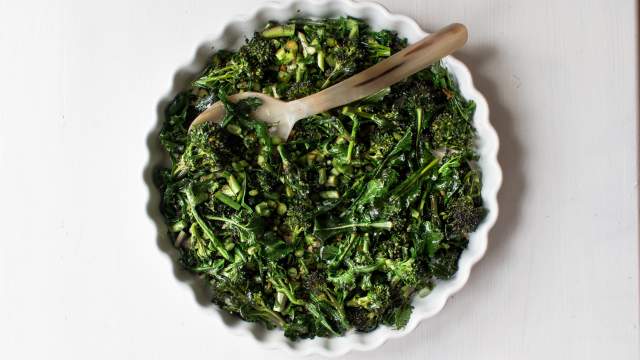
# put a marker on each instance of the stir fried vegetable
(337, 227)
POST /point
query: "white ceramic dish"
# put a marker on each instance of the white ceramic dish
(233, 35)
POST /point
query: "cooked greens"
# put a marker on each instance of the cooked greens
(337, 227)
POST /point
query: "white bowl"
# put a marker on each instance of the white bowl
(234, 34)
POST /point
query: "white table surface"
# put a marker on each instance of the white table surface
(79, 85)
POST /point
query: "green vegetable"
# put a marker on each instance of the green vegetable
(339, 226)
(279, 31)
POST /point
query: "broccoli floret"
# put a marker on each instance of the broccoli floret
(173, 135)
(376, 49)
(394, 246)
(401, 272)
(208, 147)
(344, 61)
(300, 89)
(298, 217)
(449, 131)
(362, 319)
(222, 70)
(445, 263)
(381, 144)
(243, 69)
(260, 183)
(377, 299)
(256, 54)
(366, 312)
(314, 281)
(317, 129)
(463, 216)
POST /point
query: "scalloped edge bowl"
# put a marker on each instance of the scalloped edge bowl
(233, 35)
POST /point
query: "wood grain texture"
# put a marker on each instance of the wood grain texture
(560, 278)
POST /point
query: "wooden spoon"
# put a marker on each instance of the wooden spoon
(283, 115)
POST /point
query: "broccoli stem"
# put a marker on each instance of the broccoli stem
(321, 56)
(317, 313)
(283, 156)
(354, 131)
(419, 119)
(377, 225)
(244, 193)
(279, 31)
(214, 266)
(423, 200)
(234, 184)
(307, 49)
(353, 28)
(352, 139)
(322, 176)
(227, 200)
(191, 201)
(287, 292)
(331, 194)
(350, 243)
(412, 180)
(300, 70)
(418, 131)
(229, 221)
(271, 316)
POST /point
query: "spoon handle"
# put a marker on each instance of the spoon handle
(385, 73)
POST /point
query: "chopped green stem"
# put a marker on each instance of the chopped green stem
(331, 194)
(283, 156)
(206, 268)
(279, 31)
(352, 138)
(229, 221)
(423, 200)
(244, 193)
(419, 131)
(234, 185)
(322, 176)
(227, 200)
(321, 60)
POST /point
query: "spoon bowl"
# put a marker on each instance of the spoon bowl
(281, 115)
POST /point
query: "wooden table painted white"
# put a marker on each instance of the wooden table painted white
(79, 83)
